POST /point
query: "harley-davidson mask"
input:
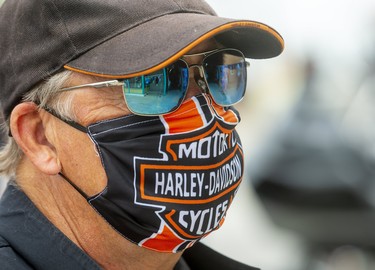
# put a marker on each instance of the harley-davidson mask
(171, 178)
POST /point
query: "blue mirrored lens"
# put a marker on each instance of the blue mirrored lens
(226, 76)
(157, 93)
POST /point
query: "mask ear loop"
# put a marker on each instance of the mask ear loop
(69, 122)
(83, 194)
(78, 127)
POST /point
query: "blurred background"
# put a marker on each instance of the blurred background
(2, 138)
(307, 199)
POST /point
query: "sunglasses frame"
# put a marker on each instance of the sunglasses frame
(204, 86)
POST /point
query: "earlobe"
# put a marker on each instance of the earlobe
(28, 131)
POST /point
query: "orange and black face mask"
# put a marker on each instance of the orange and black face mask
(171, 178)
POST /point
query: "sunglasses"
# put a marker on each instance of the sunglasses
(222, 73)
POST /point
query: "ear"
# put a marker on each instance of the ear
(27, 128)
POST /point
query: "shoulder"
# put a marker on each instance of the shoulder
(200, 256)
(9, 259)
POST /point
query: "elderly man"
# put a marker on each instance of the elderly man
(122, 149)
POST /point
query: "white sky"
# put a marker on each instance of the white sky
(332, 27)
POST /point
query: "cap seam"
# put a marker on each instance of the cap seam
(177, 4)
(65, 27)
(189, 10)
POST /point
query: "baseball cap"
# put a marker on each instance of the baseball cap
(112, 38)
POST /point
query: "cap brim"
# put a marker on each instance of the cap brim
(161, 41)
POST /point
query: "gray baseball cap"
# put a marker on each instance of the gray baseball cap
(112, 38)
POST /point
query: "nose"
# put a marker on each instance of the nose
(197, 83)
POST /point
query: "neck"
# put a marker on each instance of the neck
(71, 214)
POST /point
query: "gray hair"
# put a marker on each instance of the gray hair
(44, 94)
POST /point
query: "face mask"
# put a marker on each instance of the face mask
(171, 178)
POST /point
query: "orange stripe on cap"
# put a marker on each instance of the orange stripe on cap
(179, 54)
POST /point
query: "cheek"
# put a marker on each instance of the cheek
(95, 106)
(82, 165)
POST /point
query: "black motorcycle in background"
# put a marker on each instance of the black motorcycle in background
(317, 177)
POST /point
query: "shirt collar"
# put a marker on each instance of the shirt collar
(35, 238)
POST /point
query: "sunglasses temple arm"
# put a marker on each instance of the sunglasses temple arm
(96, 85)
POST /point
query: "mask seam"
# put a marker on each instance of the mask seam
(123, 126)
(94, 197)
(185, 112)
(99, 152)
(218, 116)
(112, 120)
(195, 98)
